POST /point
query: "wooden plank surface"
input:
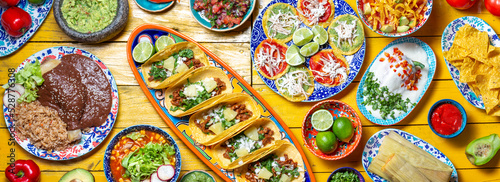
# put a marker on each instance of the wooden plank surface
(234, 48)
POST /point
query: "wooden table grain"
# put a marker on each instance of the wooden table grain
(234, 48)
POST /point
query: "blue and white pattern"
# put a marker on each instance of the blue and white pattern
(205, 22)
(397, 34)
(446, 43)
(125, 132)
(152, 6)
(38, 13)
(89, 140)
(431, 59)
(373, 145)
(321, 92)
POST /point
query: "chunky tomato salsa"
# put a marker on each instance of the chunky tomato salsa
(222, 13)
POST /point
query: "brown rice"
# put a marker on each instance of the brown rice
(42, 125)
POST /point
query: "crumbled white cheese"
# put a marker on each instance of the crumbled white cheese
(332, 69)
(293, 83)
(266, 60)
(346, 32)
(316, 10)
(282, 23)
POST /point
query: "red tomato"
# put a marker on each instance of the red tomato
(15, 21)
(493, 6)
(461, 4)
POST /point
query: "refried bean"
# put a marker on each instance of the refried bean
(78, 90)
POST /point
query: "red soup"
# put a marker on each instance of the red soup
(446, 119)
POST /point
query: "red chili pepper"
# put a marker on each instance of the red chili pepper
(8, 3)
(16, 21)
(23, 171)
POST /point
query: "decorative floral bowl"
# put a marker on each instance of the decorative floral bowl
(359, 5)
(201, 171)
(459, 107)
(337, 109)
(125, 132)
(344, 169)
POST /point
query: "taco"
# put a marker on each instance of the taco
(172, 63)
(280, 21)
(230, 114)
(329, 68)
(197, 90)
(269, 58)
(263, 135)
(346, 34)
(297, 84)
(282, 164)
(316, 12)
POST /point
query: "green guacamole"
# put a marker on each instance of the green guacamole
(88, 16)
(197, 177)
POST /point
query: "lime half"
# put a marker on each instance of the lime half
(309, 49)
(322, 120)
(293, 57)
(142, 52)
(163, 41)
(320, 34)
(302, 36)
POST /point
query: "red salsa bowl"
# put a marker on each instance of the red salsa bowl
(447, 118)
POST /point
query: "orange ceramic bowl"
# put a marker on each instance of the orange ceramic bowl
(337, 109)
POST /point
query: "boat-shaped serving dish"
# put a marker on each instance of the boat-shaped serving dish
(180, 125)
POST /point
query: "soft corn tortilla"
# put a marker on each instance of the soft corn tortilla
(198, 75)
(209, 139)
(165, 54)
(317, 58)
(265, 123)
(346, 49)
(286, 148)
(323, 24)
(309, 90)
(274, 9)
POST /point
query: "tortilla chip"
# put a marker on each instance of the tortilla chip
(480, 68)
(494, 56)
(474, 87)
(495, 111)
(456, 53)
(462, 34)
(490, 96)
(494, 82)
(466, 71)
(478, 45)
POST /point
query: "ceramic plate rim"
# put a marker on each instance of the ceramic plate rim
(365, 164)
(111, 116)
(155, 11)
(431, 59)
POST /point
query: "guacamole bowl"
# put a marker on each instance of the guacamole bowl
(94, 23)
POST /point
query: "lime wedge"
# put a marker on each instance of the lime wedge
(322, 120)
(320, 34)
(293, 57)
(142, 52)
(302, 36)
(309, 49)
(163, 42)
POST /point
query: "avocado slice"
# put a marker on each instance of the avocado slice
(412, 23)
(480, 151)
(403, 28)
(386, 28)
(77, 175)
(367, 9)
(403, 21)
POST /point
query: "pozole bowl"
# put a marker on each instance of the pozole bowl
(337, 109)
(109, 157)
(360, 6)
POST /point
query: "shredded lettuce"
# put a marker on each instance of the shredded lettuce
(30, 77)
(140, 164)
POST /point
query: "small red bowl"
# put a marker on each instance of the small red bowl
(337, 109)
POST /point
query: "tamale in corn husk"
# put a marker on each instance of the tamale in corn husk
(396, 169)
(426, 164)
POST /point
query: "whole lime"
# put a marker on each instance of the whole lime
(342, 128)
(326, 141)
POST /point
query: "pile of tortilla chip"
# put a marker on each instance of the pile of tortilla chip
(479, 65)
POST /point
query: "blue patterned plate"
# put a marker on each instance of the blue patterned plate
(130, 129)
(431, 59)
(203, 21)
(152, 6)
(89, 140)
(321, 92)
(373, 145)
(446, 42)
(9, 44)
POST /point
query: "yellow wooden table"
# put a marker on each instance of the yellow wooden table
(234, 48)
